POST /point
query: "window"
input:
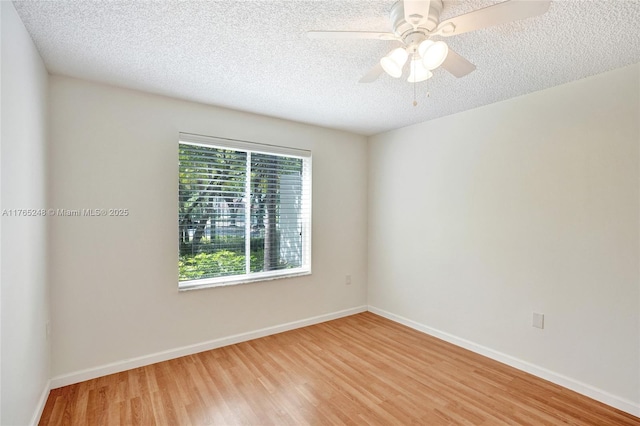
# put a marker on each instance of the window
(244, 212)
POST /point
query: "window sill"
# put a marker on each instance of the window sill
(242, 279)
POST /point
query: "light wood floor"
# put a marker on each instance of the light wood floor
(362, 369)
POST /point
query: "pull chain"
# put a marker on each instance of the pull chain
(413, 71)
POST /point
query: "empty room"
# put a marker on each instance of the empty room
(320, 212)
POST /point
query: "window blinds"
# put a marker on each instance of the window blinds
(244, 211)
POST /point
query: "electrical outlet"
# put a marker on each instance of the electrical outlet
(347, 280)
(538, 320)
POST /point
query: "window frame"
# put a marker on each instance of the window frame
(259, 148)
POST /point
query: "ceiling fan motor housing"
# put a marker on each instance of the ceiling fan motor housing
(404, 29)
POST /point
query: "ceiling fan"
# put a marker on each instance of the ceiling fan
(415, 22)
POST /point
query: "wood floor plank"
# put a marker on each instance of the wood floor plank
(362, 369)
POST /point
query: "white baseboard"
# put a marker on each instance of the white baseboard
(564, 381)
(128, 364)
(42, 401)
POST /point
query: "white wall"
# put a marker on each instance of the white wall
(476, 220)
(114, 280)
(25, 300)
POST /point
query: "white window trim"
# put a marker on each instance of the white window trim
(255, 147)
(239, 145)
(243, 279)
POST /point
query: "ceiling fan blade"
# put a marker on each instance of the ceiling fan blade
(497, 14)
(332, 35)
(416, 12)
(457, 65)
(372, 75)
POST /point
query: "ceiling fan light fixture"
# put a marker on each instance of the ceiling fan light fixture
(433, 53)
(393, 63)
(418, 72)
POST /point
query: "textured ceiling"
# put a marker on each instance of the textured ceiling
(255, 56)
